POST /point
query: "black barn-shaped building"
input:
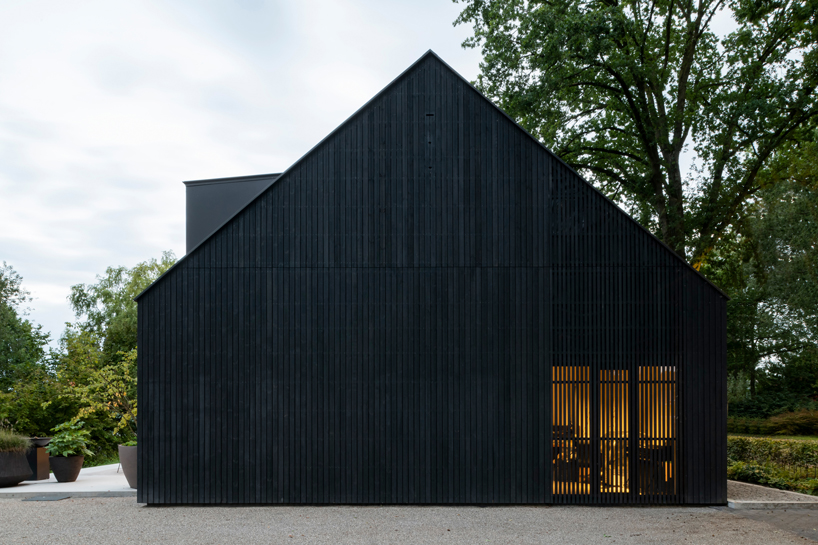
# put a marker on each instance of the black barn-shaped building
(428, 307)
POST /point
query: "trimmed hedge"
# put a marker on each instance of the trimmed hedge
(767, 450)
(788, 464)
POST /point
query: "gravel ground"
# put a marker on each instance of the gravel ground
(122, 520)
(753, 492)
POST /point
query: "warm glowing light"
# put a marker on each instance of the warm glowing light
(613, 431)
(585, 459)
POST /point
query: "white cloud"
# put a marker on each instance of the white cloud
(106, 107)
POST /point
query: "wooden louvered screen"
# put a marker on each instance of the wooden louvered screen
(614, 439)
(614, 432)
(571, 432)
(657, 432)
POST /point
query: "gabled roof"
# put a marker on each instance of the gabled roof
(428, 54)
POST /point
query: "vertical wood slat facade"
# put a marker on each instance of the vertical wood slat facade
(429, 307)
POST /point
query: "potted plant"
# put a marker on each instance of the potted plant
(14, 467)
(112, 390)
(67, 451)
(127, 458)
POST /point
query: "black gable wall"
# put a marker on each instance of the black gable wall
(380, 325)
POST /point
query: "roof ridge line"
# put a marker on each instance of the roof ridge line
(431, 53)
(296, 162)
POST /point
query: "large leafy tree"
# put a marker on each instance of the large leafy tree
(95, 367)
(22, 343)
(25, 382)
(769, 266)
(107, 308)
(622, 90)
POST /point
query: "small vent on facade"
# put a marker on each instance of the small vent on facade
(429, 114)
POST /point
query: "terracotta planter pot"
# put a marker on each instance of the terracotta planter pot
(66, 468)
(14, 468)
(127, 457)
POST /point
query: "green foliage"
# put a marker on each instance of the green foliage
(101, 460)
(753, 426)
(95, 367)
(738, 388)
(773, 476)
(25, 382)
(77, 366)
(13, 442)
(22, 343)
(773, 397)
(69, 439)
(801, 422)
(92, 376)
(24, 405)
(110, 390)
(12, 292)
(771, 273)
(767, 450)
(107, 308)
(778, 463)
(621, 89)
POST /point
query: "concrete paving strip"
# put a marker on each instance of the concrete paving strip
(771, 505)
(753, 496)
(93, 482)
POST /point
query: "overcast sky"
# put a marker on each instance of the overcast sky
(106, 107)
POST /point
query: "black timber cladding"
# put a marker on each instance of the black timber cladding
(381, 325)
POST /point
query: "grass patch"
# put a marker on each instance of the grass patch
(789, 437)
(13, 442)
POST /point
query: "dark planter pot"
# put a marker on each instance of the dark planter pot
(14, 468)
(40, 441)
(66, 468)
(38, 461)
(127, 458)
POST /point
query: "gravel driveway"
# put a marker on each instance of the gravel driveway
(122, 520)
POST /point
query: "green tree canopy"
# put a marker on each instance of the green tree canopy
(24, 379)
(107, 308)
(769, 267)
(621, 89)
(22, 344)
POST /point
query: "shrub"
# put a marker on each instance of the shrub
(748, 473)
(755, 426)
(772, 476)
(764, 450)
(12, 442)
(803, 422)
(787, 464)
